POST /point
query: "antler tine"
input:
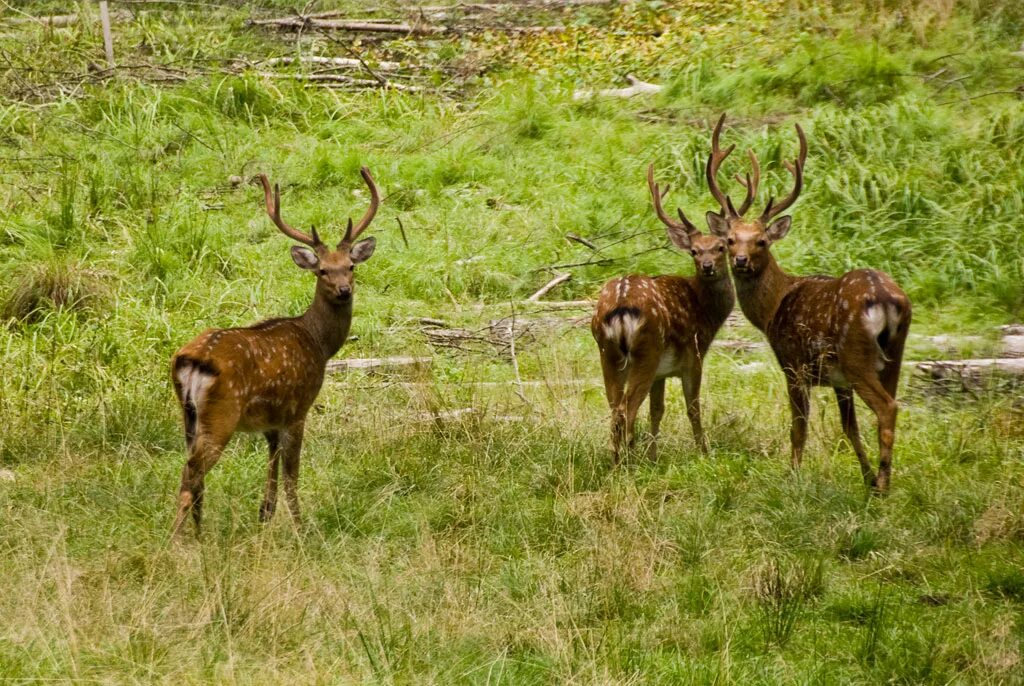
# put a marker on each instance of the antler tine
(796, 168)
(656, 195)
(274, 212)
(714, 162)
(751, 187)
(353, 233)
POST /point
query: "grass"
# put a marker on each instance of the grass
(483, 550)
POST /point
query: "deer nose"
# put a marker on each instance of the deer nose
(344, 292)
(741, 260)
(708, 267)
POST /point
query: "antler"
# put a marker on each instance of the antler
(746, 183)
(352, 233)
(656, 195)
(714, 162)
(274, 211)
(796, 168)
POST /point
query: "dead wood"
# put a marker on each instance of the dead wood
(546, 288)
(636, 87)
(378, 364)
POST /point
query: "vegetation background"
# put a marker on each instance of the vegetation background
(481, 549)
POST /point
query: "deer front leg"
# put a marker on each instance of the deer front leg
(270, 495)
(799, 405)
(657, 412)
(291, 448)
(848, 417)
(884, 407)
(614, 385)
(691, 392)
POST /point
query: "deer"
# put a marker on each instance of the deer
(264, 378)
(847, 332)
(650, 328)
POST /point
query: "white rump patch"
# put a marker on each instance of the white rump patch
(623, 328)
(877, 319)
(194, 384)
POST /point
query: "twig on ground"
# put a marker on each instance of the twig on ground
(581, 240)
(546, 288)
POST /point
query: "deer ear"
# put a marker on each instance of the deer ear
(680, 237)
(304, 257)
(362, 250)
(718, 224)
(778, 229)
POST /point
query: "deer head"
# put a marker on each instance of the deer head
(708, 252)
(334, 269)
(750, 241)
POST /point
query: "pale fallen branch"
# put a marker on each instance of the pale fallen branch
(347, 25)
(374, 364)
(341, 79)
(347, 62)
(636, 87)
(549, 286)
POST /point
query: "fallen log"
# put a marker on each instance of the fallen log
(378, 364)
(972, 375)
(636, 87)
(346, 25)
(341, 79)
(348, 62)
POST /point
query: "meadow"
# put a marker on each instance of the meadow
(501, 545)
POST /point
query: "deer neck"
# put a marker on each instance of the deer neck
(328, 324)
(717, 298)
(761, 293)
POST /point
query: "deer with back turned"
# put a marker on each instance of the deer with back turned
(847, 332)
(264, 378)
(651, 328)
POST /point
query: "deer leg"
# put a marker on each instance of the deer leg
(800, 406)
(874, 394)
(691, 392)
(291, 448)
(848, 417)
(657, 412)
(270, 494)
(614, 386)
(204, 451)
(638, 386)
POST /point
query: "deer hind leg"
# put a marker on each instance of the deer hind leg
(875, 395)
(204, 451)
(291, 448)
(848, 417)
(638, 385)
(657, 412)
(270, 494)
(614, 387)
(799, 406)
(691, 392)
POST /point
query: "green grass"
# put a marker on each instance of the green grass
(485, 550)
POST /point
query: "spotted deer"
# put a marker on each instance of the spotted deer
(846, 332)
(650, 328)
(264, 378)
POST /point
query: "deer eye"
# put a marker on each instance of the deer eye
(721, 248)
(732, 241)
(693, 251)
(761, 243)
(321, 272)
(352, 268)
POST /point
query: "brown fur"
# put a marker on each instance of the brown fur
(847, 332)
(264, 378)
(650, 328)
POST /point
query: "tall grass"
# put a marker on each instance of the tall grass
(502, 547)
